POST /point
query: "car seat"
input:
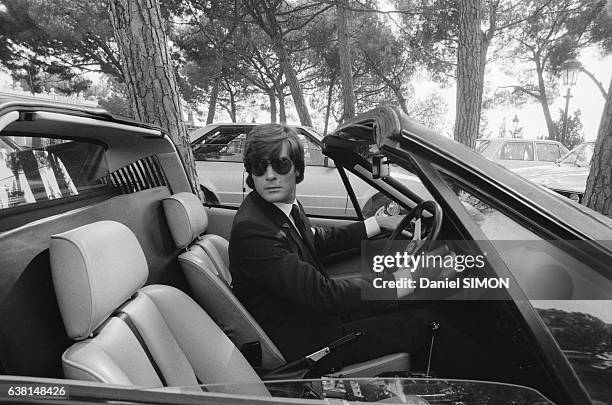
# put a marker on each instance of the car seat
(133, 335)
(209, 278)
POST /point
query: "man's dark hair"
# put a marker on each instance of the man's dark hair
(266, 142)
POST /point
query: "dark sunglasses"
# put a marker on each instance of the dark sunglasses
(280, 165)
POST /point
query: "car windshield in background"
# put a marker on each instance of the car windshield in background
(482, 145)
(579, 156)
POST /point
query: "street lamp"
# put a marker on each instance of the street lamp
(515, 122)
(569, 74)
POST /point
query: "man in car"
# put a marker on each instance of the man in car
(275, 260)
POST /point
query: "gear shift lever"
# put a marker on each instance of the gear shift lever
(434, 326)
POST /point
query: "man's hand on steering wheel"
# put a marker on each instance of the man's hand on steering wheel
(425, 229)
(389, 223)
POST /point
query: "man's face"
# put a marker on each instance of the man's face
(274, 187)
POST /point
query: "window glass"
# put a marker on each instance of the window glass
(517, 151)
(313, 156)
(34, 170)
(225, 144)
(580, 156)
(585, 155)
(482, 145)
(578, 310)
(547, 152)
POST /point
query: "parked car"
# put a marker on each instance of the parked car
(546, 337)
(517, 152)
(218, 149)
(568, 176)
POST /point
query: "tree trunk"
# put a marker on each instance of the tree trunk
(330, 93)
(272, 98)
(148, 73)
(598, 194)
(469, 90)
(232, 106)
(346, 70)
(553, 133)
(397, 90)
(282, 112)
(294, 85)
(214, 94)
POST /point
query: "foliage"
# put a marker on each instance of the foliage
(386, 59)
(550, 33)
(601, 29)
(573, 135)
(112, 96)
(63, 37)
(38, 81)
(432, 30)
(578, 331)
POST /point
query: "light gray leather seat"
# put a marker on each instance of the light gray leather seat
(127, 334)
(206, 266)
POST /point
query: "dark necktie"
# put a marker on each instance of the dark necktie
(303, 226)
(299, 223)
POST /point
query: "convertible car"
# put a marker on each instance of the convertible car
(114, 283)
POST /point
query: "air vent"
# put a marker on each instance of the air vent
(141, 175)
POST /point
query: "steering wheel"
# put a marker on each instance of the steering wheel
(415, 216)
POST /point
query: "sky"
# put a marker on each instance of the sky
(585, 96)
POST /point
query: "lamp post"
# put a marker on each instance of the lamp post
(515, 122)
(569, 74)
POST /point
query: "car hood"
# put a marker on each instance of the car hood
(563, 177)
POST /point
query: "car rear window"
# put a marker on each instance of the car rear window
(517, 151)
(34, 170)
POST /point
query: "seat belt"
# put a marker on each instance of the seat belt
(128, 321)
(125, 317)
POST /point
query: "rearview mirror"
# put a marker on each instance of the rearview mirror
(380, 167)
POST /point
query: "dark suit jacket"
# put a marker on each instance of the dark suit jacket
(280, 282)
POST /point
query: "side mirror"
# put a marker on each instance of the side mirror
(327, 162)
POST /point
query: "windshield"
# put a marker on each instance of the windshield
(416, 391)
(579, 156)
(482, 145)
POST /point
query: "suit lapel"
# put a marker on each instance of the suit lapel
(280, 219)
(305, 244)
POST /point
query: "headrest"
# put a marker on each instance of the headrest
(186, 217)
(95, 269)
